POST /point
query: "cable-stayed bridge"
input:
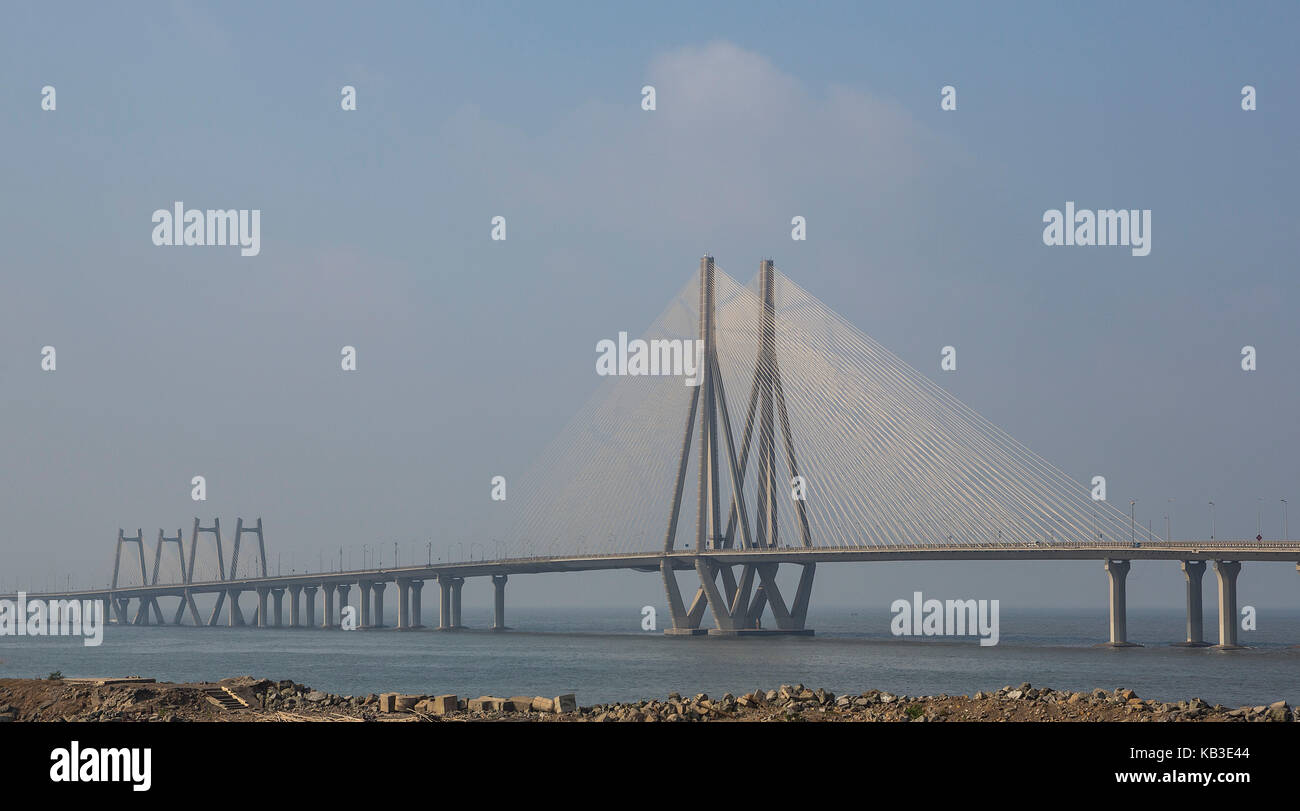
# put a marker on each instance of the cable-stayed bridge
(751, 432)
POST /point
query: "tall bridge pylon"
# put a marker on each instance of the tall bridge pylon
(739, 605)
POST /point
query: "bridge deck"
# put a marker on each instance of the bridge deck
(684, 560)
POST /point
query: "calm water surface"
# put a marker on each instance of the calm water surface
(595, 655)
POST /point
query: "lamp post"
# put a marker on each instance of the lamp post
(1211, 520)
(1132, 511)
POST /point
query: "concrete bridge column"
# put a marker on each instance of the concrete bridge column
(1118, 571)
(1194, 571)
(193, 607)
(499, 602)
(327, 607)
(309, 604)
(142, 612)
(364, 586)
(379, 604)
(295, 619)
(344, 588)
(1227, 571)
(444, 603)
(403, 604)
(456, 584)
(147, 604)
(278, 596)
(236, 616)
(417, 616)
(262, 594)
(122, 604)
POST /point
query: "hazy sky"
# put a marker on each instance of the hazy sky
(924, 230)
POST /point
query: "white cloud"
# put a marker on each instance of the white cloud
(734, 141)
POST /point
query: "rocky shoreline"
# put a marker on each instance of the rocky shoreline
(251, 699)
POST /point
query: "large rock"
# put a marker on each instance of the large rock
(445, 704)
(405, 703)
(565, 703)
(1279, 711)
(540, 704)
(388, 702)
(438, 705)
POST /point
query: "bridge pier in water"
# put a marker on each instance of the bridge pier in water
(1194, 571)
(236, 617)
(295, 619)
(309, 604)
(146, 605)
(343, 588)
(499, 602)
(417, 612)
(1227, 572)
(1118, 571)
(193, 607)
(327, 606)
(365, 587)
(378, 589)
(444, 604)
(403, 604)
(449, 588)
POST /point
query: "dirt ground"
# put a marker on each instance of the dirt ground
(251, 699)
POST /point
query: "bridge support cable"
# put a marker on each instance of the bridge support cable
(881, 456)
(896, 460)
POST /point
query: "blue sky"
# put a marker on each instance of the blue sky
(924, 231)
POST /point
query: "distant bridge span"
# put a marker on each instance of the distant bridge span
(408, 580)
(844, 453)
